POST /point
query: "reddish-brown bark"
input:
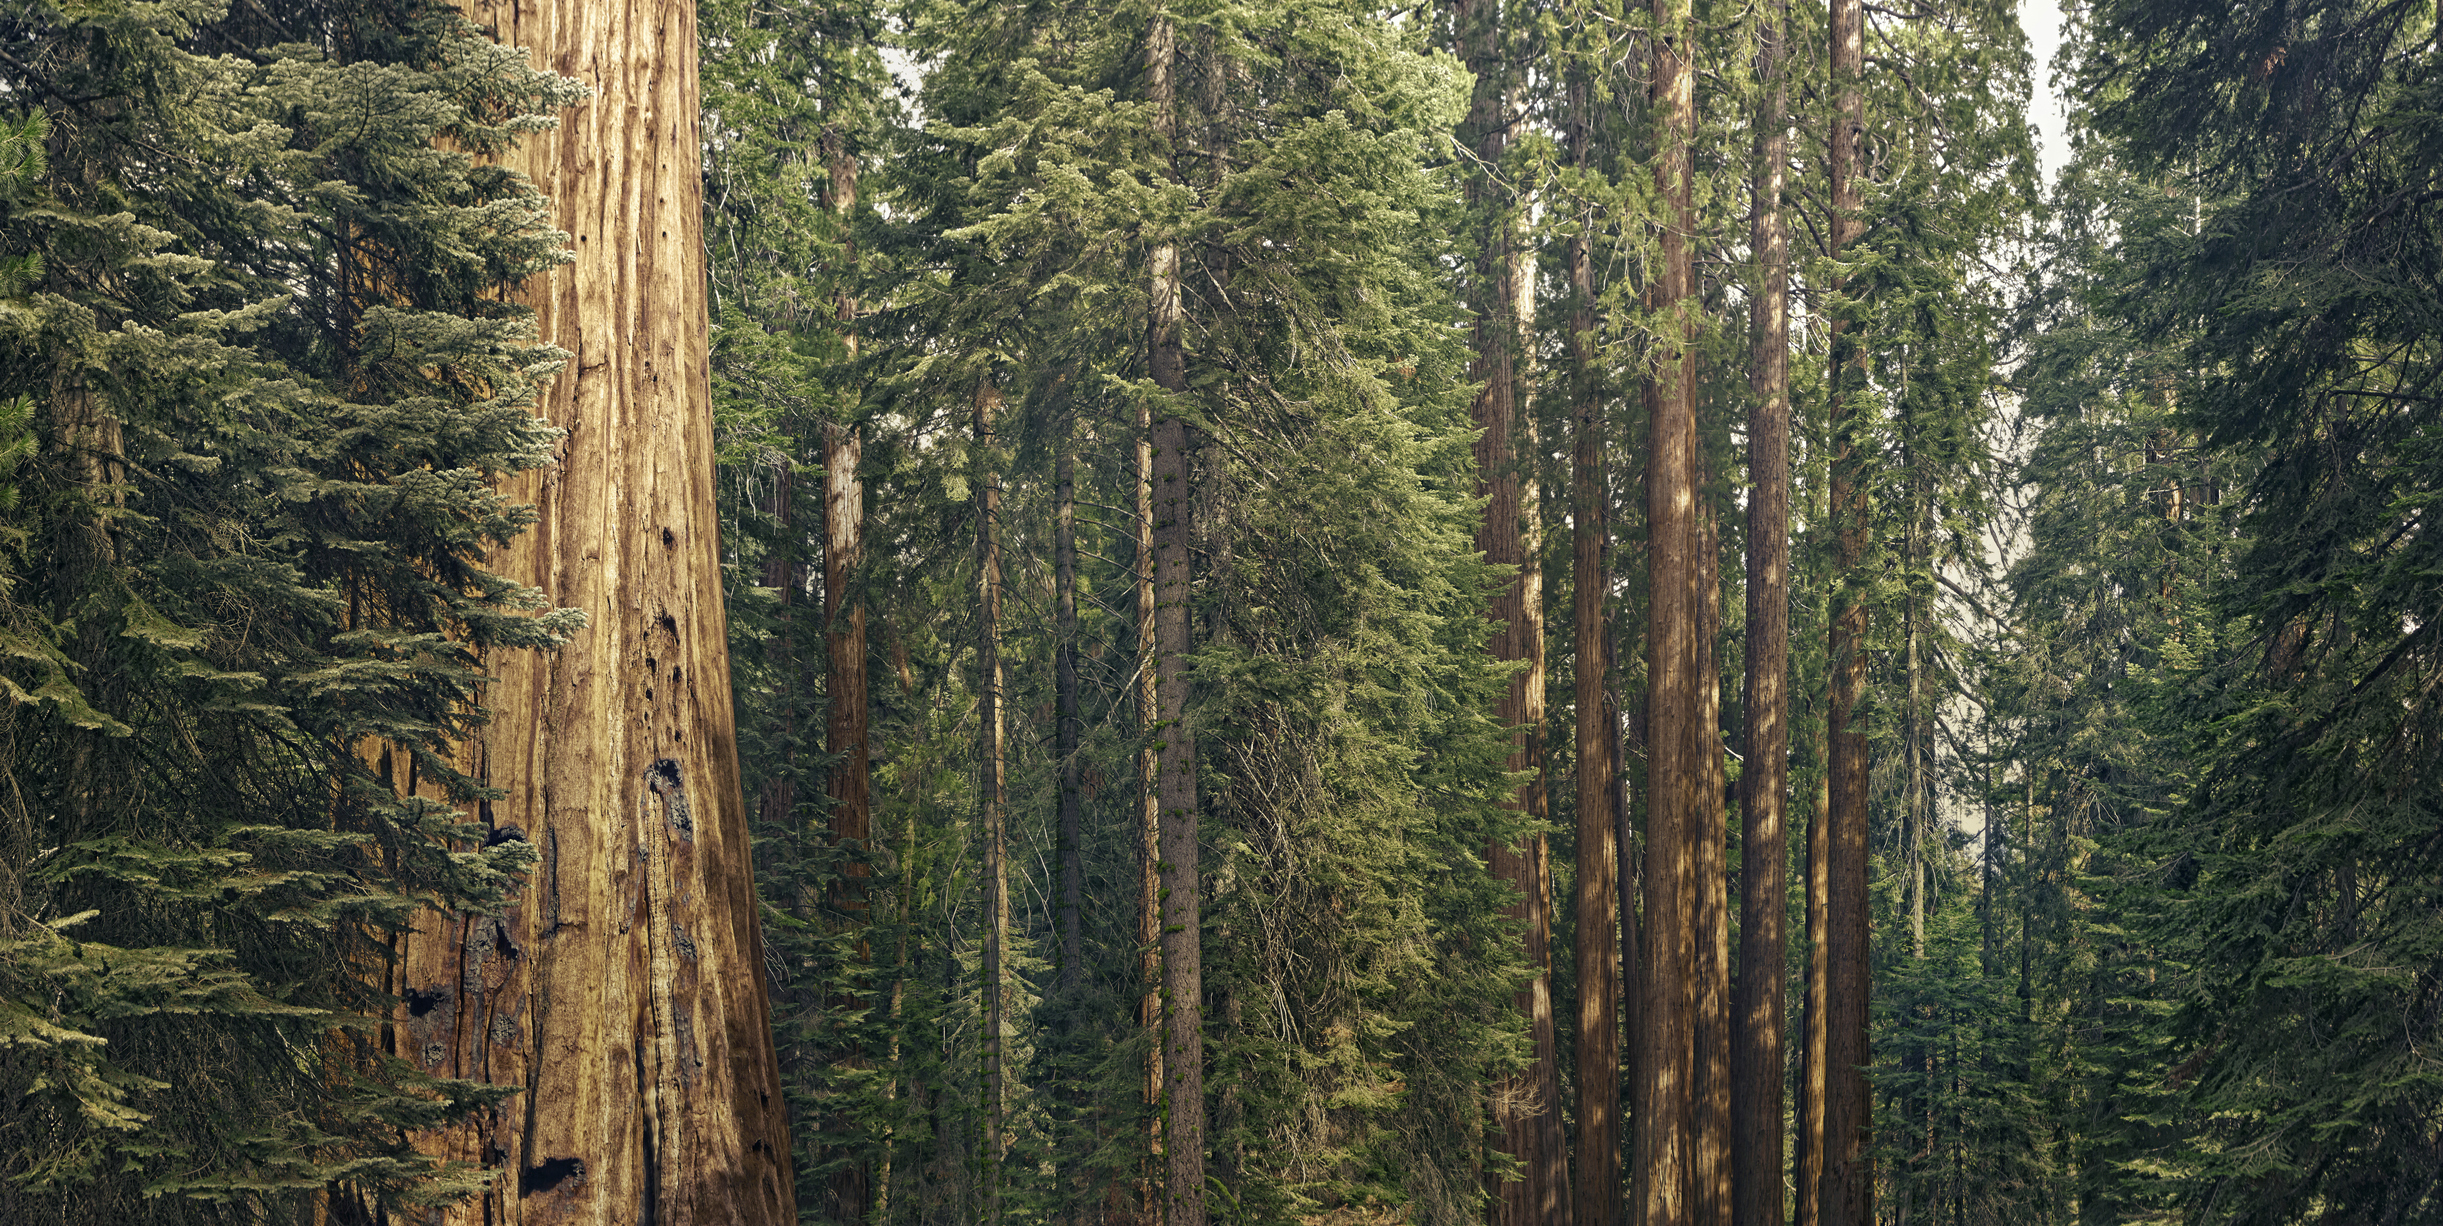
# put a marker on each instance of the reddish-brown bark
(623, 991)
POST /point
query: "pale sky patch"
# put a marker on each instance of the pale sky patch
(2041, 19)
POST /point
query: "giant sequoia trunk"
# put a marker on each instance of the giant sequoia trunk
(1666, 1132)
(1764, 781)
(1847, 1197)
(623, 993)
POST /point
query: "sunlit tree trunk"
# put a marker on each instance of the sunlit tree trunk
(1525, 1104)
(844, 730)
(623, 993)
(992, 739)
(1149, 824)
(1713, 1025)
(1756, 1095)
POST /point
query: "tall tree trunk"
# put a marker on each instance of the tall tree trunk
(1631, 990)
(1848, 1177)
(1713, 1024)
(1814, 1020)
(1064, 697)
(1149, 825)
(1550, 1180)
(844, 729)
(992, 739)
(1525, 1105)
(1756, 1150)
(1182, 958)
(1069, 1089)
(1174, 506)
(1666, 1133)
(623, 992)
(1597, 1197)
(849, 786)
(778, 796)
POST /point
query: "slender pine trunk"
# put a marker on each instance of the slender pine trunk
(1174, 507)
(1148, 829)
(1065, 714)
(992, 739)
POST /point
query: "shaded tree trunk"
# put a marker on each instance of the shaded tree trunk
(1756, 1096)
(1848, 1176)
(1597, 1195)
(624, 990)
(1065, 714)
(1666, 1132)
(1174, 506)
(1808, 1164)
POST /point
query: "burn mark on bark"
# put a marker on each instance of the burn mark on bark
(669, 541)
(548, 1174)
(551, 880)
(685, 944)
(683, 1029)
(479, 947)
(663, 781)
(420, 1003)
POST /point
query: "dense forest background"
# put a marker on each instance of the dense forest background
(1337, 614)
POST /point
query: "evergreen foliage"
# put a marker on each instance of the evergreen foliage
(2150, 668)
(260, 385)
